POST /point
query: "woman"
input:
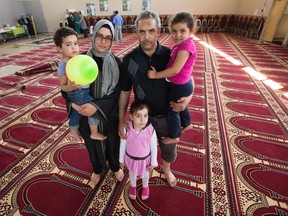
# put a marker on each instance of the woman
(76, 22)
(105, 91)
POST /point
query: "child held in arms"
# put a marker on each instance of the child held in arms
(179, 73)
(67, 44)
(139, 151)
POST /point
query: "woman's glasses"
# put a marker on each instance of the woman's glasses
(101, 37)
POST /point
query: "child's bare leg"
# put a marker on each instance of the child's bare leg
(95, 133)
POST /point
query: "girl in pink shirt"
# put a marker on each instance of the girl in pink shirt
(179, 73)
(139, 151)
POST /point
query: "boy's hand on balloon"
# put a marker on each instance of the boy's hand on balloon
(72, 86)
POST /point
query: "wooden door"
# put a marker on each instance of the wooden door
(273, 20)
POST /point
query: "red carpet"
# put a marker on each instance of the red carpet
(233, 161)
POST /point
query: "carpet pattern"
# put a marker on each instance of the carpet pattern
(233, 161)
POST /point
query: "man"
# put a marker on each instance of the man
(118, 22)
(154, 92)
(112, 17)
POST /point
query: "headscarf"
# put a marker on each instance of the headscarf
(110, 69)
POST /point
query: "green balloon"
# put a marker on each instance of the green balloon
(82, 70)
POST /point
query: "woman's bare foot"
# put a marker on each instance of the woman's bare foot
(119, 175)
(98, 136)
(189, 127)
(95, 178)
(168, 140)
(171, 179)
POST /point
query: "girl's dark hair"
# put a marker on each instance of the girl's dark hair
(61, 33)
(138, 105)
(183, 17)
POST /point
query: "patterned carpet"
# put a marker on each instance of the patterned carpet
(233, 161)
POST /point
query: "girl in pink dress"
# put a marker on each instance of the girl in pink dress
(139, 151)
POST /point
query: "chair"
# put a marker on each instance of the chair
(246, 28)
(256, 29)
(92, 21)
(198, 25)
(223, 23)
(236, 25)
(125, 23)
(164, 25)
(242, 25)
(210, 25)
(130, 26)
(204, 24)
(232, 22)
(216, 25)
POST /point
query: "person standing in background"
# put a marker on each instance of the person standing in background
(76, 22)
(118, 22)
(70, 20)
(112, 17)
(83, 25)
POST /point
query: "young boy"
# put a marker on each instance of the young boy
(67, 44)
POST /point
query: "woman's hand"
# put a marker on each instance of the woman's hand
(87, 109)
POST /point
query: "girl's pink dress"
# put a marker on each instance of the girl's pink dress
(138, 153)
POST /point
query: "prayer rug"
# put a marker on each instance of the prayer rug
(38, 42)
(232, 162)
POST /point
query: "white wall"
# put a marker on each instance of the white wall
(255, 7)
(48, 13)
(54, 10)
(35, 8)
(283, 25)
(196, 7)
(10, 11)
